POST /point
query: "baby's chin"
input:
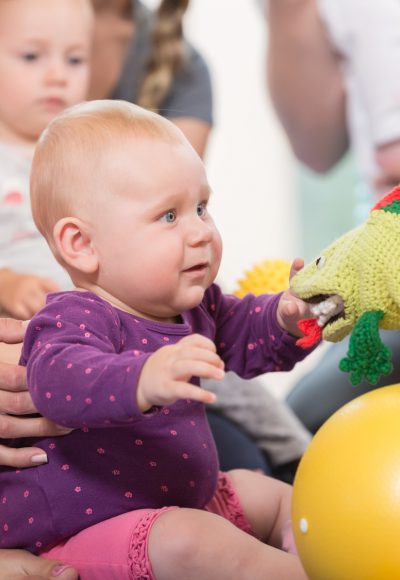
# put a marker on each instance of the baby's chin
(193, 299)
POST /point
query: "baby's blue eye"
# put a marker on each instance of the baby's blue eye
(202, 209)
(30, 56)
(75, 60)
(169, 216)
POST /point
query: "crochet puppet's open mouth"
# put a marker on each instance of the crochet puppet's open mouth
(326, 308)
(328, 319)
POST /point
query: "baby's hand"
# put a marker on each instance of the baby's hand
(290, 308)
(166, 373)
(22, 295)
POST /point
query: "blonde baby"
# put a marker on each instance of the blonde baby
(122, 199)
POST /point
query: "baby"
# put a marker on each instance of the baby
(45, 48)
(135, 491)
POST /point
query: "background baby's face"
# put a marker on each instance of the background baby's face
(44, 62)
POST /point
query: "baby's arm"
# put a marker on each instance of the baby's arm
(166, 374)
(15, 403)
(257, 334)
(79, 373)
(22, 295)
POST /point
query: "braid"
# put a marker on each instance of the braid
(167, 56)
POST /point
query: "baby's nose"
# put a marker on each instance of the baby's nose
(200, 233)
(56, 71)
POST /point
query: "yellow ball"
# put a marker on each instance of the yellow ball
(346, 495)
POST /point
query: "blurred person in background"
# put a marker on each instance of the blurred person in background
(334, 77)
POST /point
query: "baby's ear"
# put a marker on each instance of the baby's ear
(73, 244)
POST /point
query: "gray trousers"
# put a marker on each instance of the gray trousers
(269, 422)
(325, 389)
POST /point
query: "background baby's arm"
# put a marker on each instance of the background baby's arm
(22, 295)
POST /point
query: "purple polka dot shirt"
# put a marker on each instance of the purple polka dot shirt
(84, 358)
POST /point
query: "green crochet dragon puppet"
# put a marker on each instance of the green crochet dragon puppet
(354, 287)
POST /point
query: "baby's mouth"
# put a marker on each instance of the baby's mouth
(196, 268)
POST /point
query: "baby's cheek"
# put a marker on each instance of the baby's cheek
(217, 249)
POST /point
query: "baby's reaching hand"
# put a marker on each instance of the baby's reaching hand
(22, 295)
(166, 373)
(290, 308)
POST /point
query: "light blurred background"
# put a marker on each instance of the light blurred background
(249, 162)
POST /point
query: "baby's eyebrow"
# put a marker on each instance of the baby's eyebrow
(34, 40)
(38, 41)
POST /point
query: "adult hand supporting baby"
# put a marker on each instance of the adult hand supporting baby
(166, 373)
(15, 401)
(18, 564)
(290, 308)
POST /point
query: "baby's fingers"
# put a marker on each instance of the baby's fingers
(200, 355)
(297, 265)
(290, 310)
(187, 368)
(188, 391)
(197, 340)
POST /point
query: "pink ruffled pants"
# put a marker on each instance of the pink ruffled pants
(116, 549)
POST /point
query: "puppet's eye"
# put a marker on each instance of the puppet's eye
(320, 262)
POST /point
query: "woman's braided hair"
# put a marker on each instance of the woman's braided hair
(168, 54)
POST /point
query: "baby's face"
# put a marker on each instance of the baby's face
(158, 247)
(44, 63)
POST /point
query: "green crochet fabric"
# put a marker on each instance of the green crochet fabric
(355, 287)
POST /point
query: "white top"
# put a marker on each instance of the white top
(22, 247)
(366, 33)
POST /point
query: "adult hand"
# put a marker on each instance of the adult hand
(16, 400)
(17, 565)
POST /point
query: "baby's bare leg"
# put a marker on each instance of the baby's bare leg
(266, 503)
(197, 545)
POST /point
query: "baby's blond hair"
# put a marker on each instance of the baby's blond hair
(67, 176)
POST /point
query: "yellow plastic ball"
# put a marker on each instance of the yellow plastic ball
(346, 495)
